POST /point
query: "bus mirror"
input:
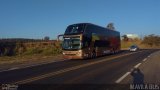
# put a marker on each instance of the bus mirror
(81, 44)
(58, 37)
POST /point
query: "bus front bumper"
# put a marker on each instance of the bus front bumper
(72, 57)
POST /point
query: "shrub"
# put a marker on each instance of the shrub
(151, 40)
(32, 51)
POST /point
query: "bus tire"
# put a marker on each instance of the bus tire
(93, 55)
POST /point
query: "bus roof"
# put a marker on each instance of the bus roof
(93, 25)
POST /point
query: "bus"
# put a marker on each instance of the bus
(86, 40)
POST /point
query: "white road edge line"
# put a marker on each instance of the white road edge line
(121, 78)
(136, 66)
(144, 59)
(14, 68)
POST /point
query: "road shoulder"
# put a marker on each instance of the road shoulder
(29, 63)
(149, 69)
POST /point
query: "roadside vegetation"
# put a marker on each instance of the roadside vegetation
(29, 48)
(152, 41)
(148, 42)
(17, 50)
(23, 49)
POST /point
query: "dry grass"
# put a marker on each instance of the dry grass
(126, 45)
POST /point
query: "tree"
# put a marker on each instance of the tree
(125, 38)
(151, 40)
(111, 26)
(46, 38)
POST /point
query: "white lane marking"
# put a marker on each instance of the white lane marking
(126, 74)
(136, 66)
(121, 78)
(22, 67)
(144, 59)
(13, 68)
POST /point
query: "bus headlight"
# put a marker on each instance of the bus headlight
(79, 53)
(63, 53)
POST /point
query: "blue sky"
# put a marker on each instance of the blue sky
(39, 18)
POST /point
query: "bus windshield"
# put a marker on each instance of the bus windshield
(71, 43)
(75, 29)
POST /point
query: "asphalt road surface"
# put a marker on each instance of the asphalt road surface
(110, 70)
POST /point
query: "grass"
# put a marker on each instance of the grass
(32, 51)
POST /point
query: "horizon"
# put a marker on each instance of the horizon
(35, 19)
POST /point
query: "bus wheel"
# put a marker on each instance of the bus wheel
(112, 52)
(93, 55)
(89, 55)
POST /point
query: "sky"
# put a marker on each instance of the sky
(36, 19)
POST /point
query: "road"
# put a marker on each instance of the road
(107, 70)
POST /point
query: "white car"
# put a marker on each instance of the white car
(133, 48)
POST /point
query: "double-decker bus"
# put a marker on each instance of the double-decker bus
(86, 40)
